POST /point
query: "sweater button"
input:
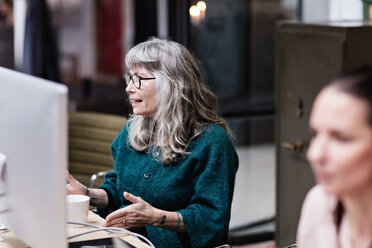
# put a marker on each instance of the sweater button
(146, 175)
(156, 154)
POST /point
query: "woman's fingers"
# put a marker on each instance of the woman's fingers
(123, 218)
(114, 222)
(69, 177)
(122, 222)
(121, 225)
(114, 215)
(74, 186)
(132, 198)
(138, 214)
(127, 210)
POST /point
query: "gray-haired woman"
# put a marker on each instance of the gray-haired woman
(175, 164)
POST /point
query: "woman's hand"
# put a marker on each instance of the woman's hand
(74, 187)
(138, 214)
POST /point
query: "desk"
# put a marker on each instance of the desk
(11, 241)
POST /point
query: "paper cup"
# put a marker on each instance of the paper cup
(77, 208)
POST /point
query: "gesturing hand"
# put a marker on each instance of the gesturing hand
(138, 214)
(74, 187)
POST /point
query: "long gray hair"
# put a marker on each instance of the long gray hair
(186, 104)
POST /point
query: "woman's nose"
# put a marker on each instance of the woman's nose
(130, 87)
(316, 154)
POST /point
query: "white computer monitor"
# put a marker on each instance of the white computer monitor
(33, 138)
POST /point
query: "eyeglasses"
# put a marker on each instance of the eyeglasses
(136, 80)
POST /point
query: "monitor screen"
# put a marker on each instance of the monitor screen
(33, 147)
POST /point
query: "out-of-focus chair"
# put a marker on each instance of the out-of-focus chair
(90, 138)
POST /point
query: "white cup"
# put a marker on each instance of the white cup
(77, 208)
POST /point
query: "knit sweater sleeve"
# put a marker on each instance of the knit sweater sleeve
(207, 216)
(110, 182)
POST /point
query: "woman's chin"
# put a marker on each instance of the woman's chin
(137, 111)
(144, 113)
(330, 189)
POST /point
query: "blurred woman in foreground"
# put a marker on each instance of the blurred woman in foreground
(337, 212)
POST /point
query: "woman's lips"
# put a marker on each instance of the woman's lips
(135, 102)
(323, 177)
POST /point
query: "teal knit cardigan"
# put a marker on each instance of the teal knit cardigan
(200, 187)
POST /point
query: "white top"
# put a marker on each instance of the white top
(317, 226)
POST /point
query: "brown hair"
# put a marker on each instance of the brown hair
(358, 83)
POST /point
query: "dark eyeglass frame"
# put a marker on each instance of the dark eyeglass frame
(129, 77)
